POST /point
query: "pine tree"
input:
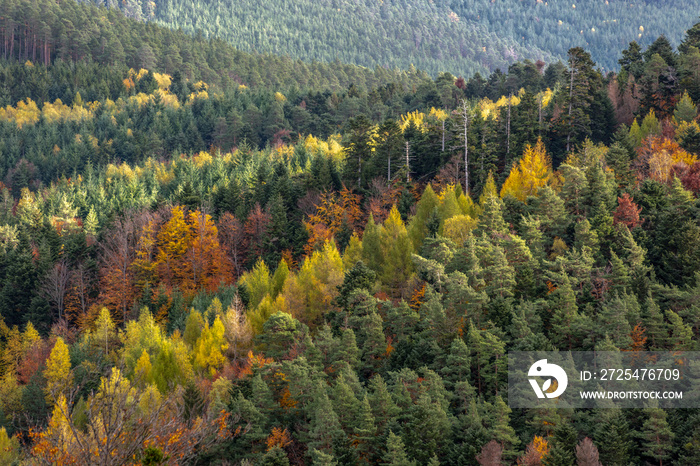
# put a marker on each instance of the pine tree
(325, 431)
(565, 315)
(192, 403)
(657, 436)
(654, 323)
(614, 440)
(396, 452)
(365, 430)
(491, 220)
(458, 364)
(680, 334)
(581, 86)
(686, 110)
(498, 274)
(358, 277)
(417, 228)
(427, 429)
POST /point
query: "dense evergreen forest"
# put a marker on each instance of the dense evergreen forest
(460, 36)
(240, 259)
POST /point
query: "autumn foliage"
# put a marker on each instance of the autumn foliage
(183, 252)
(532, 172)
(627, 212)
(333, 211)
(658, 155)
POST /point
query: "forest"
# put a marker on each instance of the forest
(225, 260)
(460, 36)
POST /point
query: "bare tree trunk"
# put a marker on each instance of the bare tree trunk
(571, 96)
(55, 286)
(510, 100)
(443, 135)
(539, 116)
(408, 166)
(465, 113)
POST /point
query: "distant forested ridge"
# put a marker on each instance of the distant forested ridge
(390, 34)
(601, 27)
(458, 36)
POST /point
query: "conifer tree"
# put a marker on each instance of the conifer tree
(372, 253)
(561, 451)
(657, 436)
(397, 248)
(500, 429)
(396, 452)
(59, 378)
(614, 441)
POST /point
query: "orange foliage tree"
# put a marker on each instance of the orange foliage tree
(627, 212)
(255, 230)
(205, 255)
(332, 210)
(188, 255)
(116, 275)
(657, 157)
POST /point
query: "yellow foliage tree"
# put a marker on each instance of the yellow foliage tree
(9, 448)
(30, 337)
(208, 355)
(458, 228)
(174, 239)
(58, 374)
(533, 172)
(105, 330)
(142, 371)
(310, 292)
(257, 281)
(397, 247)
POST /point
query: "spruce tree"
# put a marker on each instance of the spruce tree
(562, 445)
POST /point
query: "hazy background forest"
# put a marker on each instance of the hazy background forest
(220, 256)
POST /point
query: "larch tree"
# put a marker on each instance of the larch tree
(533, 171)
(174, 239)
(59, 378)
(397, 248)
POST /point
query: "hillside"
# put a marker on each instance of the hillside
(601, 27)
(458, 36)
(391, 34)
(218, 257)
(44, 31)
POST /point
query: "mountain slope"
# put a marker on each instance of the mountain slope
(389, 33)
(602, 27)
(43, 31)
(459, 36)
